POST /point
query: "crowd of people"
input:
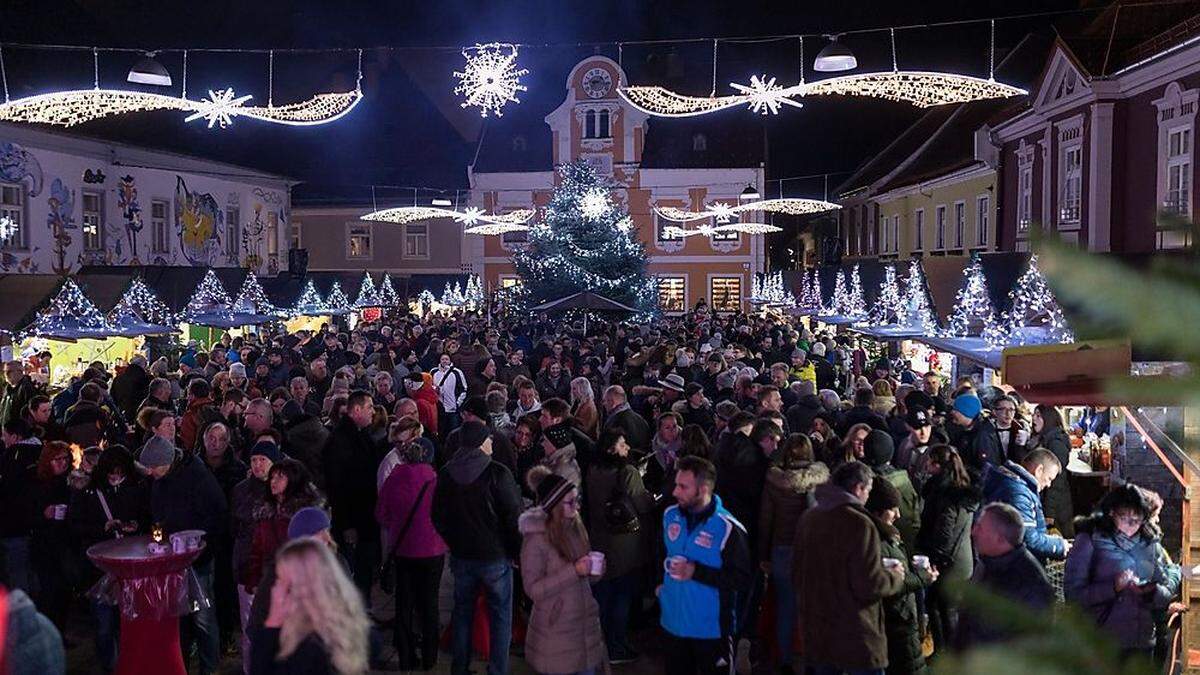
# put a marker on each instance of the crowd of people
(750, 491)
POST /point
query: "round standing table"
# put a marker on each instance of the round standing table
(152, 591)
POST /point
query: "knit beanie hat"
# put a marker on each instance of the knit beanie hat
(968, 405)
(878, 448)
(477, 406)
(472, 434)
(883, 496)
(158, 452)
(267, 449)
(307, 522)
(548, 487)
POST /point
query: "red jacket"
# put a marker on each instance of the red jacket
(427, 405)
(189, 427)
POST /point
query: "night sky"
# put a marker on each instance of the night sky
(409, 129)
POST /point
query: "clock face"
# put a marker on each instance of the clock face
(597, 82)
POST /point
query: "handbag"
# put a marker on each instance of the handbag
(619, 513)
(387, 569)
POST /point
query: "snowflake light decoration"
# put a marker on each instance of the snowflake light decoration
(594, 204)
(764, 96)
(218, 108)
(722, 212)
(8, 228)
(471, 216)
(490, 78)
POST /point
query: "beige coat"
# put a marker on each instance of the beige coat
(564, 627)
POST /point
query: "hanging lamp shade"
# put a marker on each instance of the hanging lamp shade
(749, 193)
(441, 201)
(149, 71)
(835, 57)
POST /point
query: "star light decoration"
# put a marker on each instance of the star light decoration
(594, 204)
(68, 108)
(475, 219)
(490, 78)
(919, 88)
(1034, 306)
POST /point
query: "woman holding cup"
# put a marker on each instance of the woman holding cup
(52, 548)
(557, 570)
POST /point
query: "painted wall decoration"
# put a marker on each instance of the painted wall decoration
(61, 221)
(198, 219)
(131, 211)
(96, 176)
(252, 239)
(269, 212)
(18, 165)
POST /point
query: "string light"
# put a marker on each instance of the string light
(494, 229)
(310, 303)
(68, 108)
(252, 300)
(452, 296)
(972, 306)
(722, 212)
(671, 231)
(889, 306)
(471, 216)
(387, 292)
(367, 295)
(426, 299)
(139, 305)
(490, 78)
(857, 306)
(811, 297)
(919, 88)
(1034, 306)
(70, 315)
(8, 228)
(771, 291)
(917, 311)
(210, 297)
(839, 301)
(337, 300)
(594, 204)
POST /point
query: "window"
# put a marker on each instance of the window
(93, 221)
(718, 237)
(672, 294)
(895, 233)
(233, 228)
(1179, 172)
(884, 240)
(416, 240)
(589, 124)
(602, 125)
(983, 219)
(660, 228)
(601, 163)
(521, 237)
(160, 241)
(960, 223)
(725, 294)
(296, 235)
(12, 207)
(358, 240)
(699, 142)
(507, 281)
(1072, 182)
(1025, 200)
(939, 228)
(919, 230)
(272, 234)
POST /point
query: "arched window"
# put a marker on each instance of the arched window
(589, 124)
(699, 142)
(603, 131)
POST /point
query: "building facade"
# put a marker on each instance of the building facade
(337, 240)
(67, 201)
(652, 164)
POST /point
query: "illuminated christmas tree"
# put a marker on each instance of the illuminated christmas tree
(71, 314)
(139, 304)
(857, 307)
(889, 307)
(917, 312)
(387, 293)
(810, 299)
(337, 298)
(252, 300)
(973, 310)
(310, 302)
(367, 295)
(756, 288)
(210, 296)
(1033, 305)
(583, 243)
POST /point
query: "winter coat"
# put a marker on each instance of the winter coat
(310, 657)
(587, 418)
(1056, 499)
(945, 535)
(548, 388)
(189, 498)
(350, 460)
(18, 475)
(788, 494)
(861, 414)
(901, 619)
(248, 499)
(1016, 576)
(1014, 486)
(840, 583)
(801, 415)
(632, 426)
(304, 440)
(701, 417)
(231, 472)
(562, 463)
(451, 388)
(396, 501)
(741, 478)
(883, 405)
(979, 446)
(1096, 559)
(508, 372)
(15, 399)
(128, 389)
(85, 424)
(198, 415)
(610, 478)
(128, 502)
(475, 507)
(271, 532)
(32, 645)
(563, 634)
(909, 522)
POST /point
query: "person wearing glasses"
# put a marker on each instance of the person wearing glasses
(1116, 573)
(1014, 434)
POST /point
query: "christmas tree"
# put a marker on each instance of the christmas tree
(337, 297)
(1034, 305)
(810, 299)
(889, 308)
(310, 301)
(585, 243)
(857, 307)
(387, 292)
(367, 295)
(973, 307)
(916, 301)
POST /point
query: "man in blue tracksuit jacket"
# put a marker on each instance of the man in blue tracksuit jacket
(707, 573)
(1019, 485)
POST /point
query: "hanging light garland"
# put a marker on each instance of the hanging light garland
(723, 213)
(1033, 305)
(490, 78)
(672, 231)
(472, 217)
(139, 304)
(70, 314)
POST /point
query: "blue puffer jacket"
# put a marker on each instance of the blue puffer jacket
(1013, 485)
(1097, 558)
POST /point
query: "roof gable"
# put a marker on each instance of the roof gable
(1064, 83)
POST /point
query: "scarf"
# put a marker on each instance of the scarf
(666, 453)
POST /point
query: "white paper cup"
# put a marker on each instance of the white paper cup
(921, 561)
(892, 563)
(667, 564)
(597, 563)
(178, 544)
(60, 511)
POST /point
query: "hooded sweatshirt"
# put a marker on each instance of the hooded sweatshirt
(475, 507)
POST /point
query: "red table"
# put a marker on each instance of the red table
(152, 591)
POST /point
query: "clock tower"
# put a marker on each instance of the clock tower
(594, 124)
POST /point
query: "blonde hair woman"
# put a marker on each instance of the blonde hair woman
(583, 406)
(316, 622)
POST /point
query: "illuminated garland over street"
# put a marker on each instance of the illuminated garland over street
(919, 88)
(68, 108)
(490, 78)
(723, 213)
(476, 219)
(709, 231)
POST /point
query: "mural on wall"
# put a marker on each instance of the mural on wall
(252, 235)
(96, 176)
(60, 220)
(18, 165)
(198, 219)
(131, 211)
(268, 213)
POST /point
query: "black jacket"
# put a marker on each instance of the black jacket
(475, 507)
(350, 460)
(1056, 499)
(800, 416)
(633, 427)
(18, 475)
(190, 498)
(310, 657)
(741, 479)
(16, 399)
(128, 502)
(1016, 576)
(945, 534)
(129, 388)
(861, 414)
(900, 616)
(979, 445)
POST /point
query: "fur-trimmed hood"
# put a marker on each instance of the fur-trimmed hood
(533, 521)
(268, 509)
(798, 481)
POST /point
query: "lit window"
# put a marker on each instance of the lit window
(660, 228)
(416, 240)
(509, 282)
(296, 234)
(919, 229)
(358, 240)
(12, 206)
(93, 221)
(233, 228)
(1072, 182)
(983, 218)
(160, 240)
(1025, 200)
(672, 294)
(939, 229)
(725, 294)
(1179, 172)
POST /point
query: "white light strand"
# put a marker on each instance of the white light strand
(71, 314)
(889, 306)
(337, 298)
(1033, 305)
(840, 300)
(490, 78)
(270, 79)
(367, 295)
(973, 311)
(252, 300)
(857, 305)
(471, 216)
(916, 301)
(139, 304)
(210, 297)
(720, 211)
(310, 302)
(811, 299)
(387, 292)
(3, 74)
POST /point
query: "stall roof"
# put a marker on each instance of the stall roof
(24, 295)
(174, 285)
(104, 290)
